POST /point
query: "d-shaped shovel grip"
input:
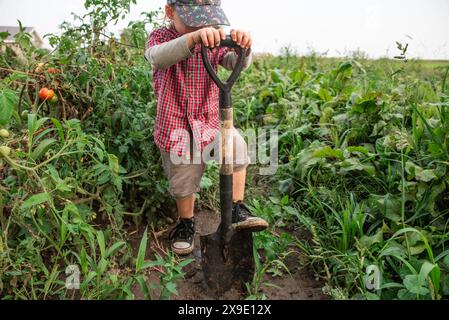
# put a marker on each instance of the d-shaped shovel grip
(225, 86)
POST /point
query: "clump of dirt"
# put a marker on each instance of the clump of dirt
(300, 285)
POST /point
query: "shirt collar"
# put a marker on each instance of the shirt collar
(173, 30)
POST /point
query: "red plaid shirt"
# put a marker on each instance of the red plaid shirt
(187, 98)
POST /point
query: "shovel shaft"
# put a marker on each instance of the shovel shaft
(226, 168)
(226, 204)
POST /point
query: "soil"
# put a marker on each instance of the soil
(301, 285)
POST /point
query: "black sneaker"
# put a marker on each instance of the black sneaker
(182, 237)
(242, 219)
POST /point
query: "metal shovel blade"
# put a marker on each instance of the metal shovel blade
(227, 263)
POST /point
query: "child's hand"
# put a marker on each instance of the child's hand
(243, 38)
(210, 37)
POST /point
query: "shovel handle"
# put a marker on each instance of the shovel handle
(225, 86)
(228, 42)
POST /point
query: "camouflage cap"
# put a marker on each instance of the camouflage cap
(200, 13)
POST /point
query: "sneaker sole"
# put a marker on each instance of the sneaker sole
(255, 225)
(182, 252)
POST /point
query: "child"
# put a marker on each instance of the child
(187, 108)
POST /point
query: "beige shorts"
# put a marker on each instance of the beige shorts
(185, 178)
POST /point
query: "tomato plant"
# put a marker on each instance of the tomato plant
(79, 166)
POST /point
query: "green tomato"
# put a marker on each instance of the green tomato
(5, 151)
(54, 100)
(4, 133)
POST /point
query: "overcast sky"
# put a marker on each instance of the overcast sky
(336, 27)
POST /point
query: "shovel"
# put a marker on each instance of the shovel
(227, 254)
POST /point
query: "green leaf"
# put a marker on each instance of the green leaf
(34, 125)
(328, 153)
(4, 35)
(42, 134)
(142, 250)
(404, 294)
(445, 285)
(368, 241)
(434, 193)
(414, 284)
(324, 94)
(171, 287)
(277, 76)
(435, 276)
(426, 268)
(36, 200)
(83, 260)
(284, 200)
(275, 200)
(113, 163)
(358, 149)
(51, 278)
(417, 249)
(425, 175)
(206, 182)
(410, 168)
(102, 266)
(116, 246)
(59, 128)
(351, 164)
(88, 279)
(99, 153)
(144, 287)
(293, 212)
(8, 102)
(391, 285)
(395, 251)
(63, 231)
(63, 187)
(185, 262)
(446, 260)
(101, 243)
(42, 149)
(389, 205)
(423, 238)
(151, 264)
